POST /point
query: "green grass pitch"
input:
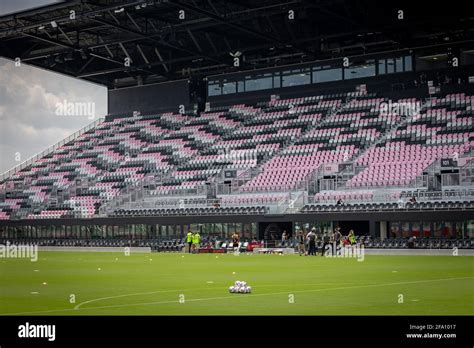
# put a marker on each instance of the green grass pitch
(152, 284)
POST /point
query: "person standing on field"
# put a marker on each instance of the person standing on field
(301, 242)
(336, 238)
(352, 237)
(284, 238)
(196, 240)
(189, 240)
(235, 242)
(326, 241)
(311, 237)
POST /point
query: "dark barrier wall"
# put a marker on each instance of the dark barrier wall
(149, 98)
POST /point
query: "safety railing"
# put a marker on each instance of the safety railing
(50, 149)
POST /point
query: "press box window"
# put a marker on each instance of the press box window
(390, 66)
(359, 71)
(408, 64)
(399, 64)
(229, 88)
(297, 77)
(382, 67)
(255, 84)
(214, 89)
(240, 86)
(276, 80)
(327, 75)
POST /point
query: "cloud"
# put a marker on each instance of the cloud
(28, 100)
(7, 7)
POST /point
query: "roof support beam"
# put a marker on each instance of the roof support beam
(143, 54)
(64, 34)
(211, 42)
(237, 26)
(161, 60)
(194, 40)
(159, 42)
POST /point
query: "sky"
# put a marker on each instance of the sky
(11, 6)
(31, 117)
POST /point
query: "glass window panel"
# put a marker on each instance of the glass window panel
(276, 80)
(247, 231)
(240, 86)
(327, 75)
(255, 84)
(229, 88)
(225, 231)
(298, 77)
(359, 71)
(214, 89)
(390, 66)
(448, 230)
(405, 229)
(469, 229)
(395, 231)
(426, 229)
(381, 66)
(457, 230)
(254, 230)
(416, 229)
(438, 229)
(408, 63)
(399, 64)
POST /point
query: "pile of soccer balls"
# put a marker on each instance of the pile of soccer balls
(240, 287)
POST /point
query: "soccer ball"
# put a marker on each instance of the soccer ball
(240, 287)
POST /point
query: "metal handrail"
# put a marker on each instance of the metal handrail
(50, 149)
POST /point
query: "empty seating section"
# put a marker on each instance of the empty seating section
(105, 159)
(333, 138)
(286, 172)
(281, 143)
(443, 129)
(248, 137)
(201, 133)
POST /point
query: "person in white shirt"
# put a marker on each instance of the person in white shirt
(284, 238)
(311, 238)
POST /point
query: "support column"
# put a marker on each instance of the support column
(383, 230)
(372, 229)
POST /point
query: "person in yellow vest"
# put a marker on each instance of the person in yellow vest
(189, 240)
(352, 237)
(196, 241)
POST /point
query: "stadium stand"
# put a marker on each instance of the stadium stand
(278, 146)
(350, 130)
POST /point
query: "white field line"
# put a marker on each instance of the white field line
(234, 296)
(164, 291)
(135, 294)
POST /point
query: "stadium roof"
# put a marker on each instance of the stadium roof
(163, 45)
